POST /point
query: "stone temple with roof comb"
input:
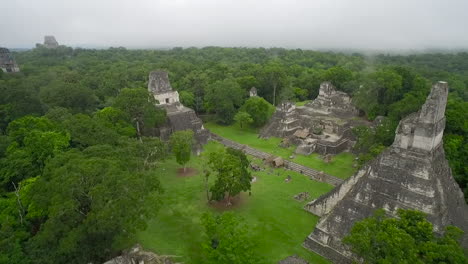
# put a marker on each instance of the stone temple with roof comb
(179, 117)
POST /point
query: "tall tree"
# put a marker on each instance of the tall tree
(181, 145)
(243, 118)
(274, 79)
(259, 109)
(230, 167)
(139, 105)
(224, 97)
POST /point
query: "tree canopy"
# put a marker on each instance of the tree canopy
(230, 167)
(410, 238)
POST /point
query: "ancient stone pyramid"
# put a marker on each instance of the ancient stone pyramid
(411, 174)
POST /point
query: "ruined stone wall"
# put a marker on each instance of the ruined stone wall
(167, 98)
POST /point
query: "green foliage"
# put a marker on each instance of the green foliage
(73, 96)
(408, 239)
(139, 106)
(300, 94)
(181, 145)
(372, 141)
(456, 141)
(187, 99)
(228, 240)
(259, 109)
(243, 118)
(223, 98)
(33, 141)
(338, 76)
(99, 197)
(230, 167)
(83, 205)
(272, 81)
(87, 131)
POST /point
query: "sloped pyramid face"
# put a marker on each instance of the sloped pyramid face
(411, 174)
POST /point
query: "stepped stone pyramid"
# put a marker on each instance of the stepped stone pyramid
(411, 174)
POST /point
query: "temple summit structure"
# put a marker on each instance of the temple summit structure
(7, 62)
(413, 173)
(322, 126)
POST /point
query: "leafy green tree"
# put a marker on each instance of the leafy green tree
(224, 97)
(273, 79)
(181, 144)
(243, 118)
(116, 120)
(87, 131)
(227, 239)
(408, 239)
(230, 167)
(100, 192)
(73, 96)
(33, 141)
(259, 109)
(300, 94)
(338, 76)
(187, 99)
(139, 105)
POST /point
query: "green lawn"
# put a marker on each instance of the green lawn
(278, 220)
(341, 166)
(302, 103)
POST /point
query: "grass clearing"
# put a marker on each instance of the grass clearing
(278, 221)
(302, 103)
(341, 165)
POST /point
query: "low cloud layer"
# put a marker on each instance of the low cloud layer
(307, 24)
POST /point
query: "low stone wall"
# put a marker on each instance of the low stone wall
(334, 148)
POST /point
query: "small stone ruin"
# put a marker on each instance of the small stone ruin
(303, 196)
(7, 62)
(136, 255)
(293, 260)
(255, 167)
(411, 174)
(253, 92)
(322, 126)
(179, 117)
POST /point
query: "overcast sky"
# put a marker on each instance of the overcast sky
(307, 24)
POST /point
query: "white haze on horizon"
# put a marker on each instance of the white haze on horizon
(306, 24)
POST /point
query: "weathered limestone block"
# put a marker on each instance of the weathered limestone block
(412, 174)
